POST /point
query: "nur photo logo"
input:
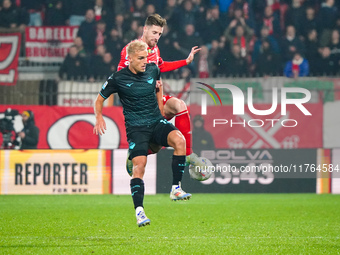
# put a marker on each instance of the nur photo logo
(279, 97)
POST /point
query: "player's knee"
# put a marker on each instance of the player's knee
(178, 141)
(138, 167)
(176, 105)
(180, 105)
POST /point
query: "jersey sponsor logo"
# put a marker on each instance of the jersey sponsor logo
(129, 84)
(150, 80)
(104, 85)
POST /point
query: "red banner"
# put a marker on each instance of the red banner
(293, 130)
(71, 127)
(9, 55)
(49, 44)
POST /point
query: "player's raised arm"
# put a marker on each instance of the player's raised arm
(191, 56)
(100, 126)
(167, 66)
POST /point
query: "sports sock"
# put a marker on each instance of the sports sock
(178, 164)
(137, 191)
(182, 122)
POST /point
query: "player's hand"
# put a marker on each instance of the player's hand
(159, 84)
(100, 126)
(194, 50)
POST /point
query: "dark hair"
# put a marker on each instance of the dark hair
(155, 19)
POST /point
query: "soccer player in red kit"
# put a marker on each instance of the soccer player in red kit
(173, 107)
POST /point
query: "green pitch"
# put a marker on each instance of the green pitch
(207, 224)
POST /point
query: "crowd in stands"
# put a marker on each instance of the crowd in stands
(238, 37)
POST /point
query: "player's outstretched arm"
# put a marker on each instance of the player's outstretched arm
(191, 56)
(167, 66)
(100, 126)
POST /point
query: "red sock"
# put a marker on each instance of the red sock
(182, 122)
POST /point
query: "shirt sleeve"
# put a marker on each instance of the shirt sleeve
(123, 59)
(109, 87)
(170, 66)
(158, 74)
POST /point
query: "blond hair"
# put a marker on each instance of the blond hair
(135, 46)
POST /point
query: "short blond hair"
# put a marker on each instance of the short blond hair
(136, 46)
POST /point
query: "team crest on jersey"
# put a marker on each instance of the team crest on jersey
(150, 80)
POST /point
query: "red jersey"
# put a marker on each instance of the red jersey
(153, 57)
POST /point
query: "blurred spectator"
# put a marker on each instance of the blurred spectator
(268, 61)
(131, 34)
(138, 10)
(242, 37)
(297, 67)
(236, 64)
(325, 62)
(150, 9)
(76, 10)
(213, 54)
(12, 17)
(169, 13)
(166, 44)
(212, 28)
(30, 133)
(114, 45)
(237, 18)
(327, 17)
(239, 4)
(102, 12)
(119, 25)
(312, 54)
(258, 44)
(202, 63)
(308, 22)
(101, 32)
(102, 66)
(34, 8)
(186, 16)
(184, 43)
(221, 59)
(272, 21)
(119, 6)
(294, 15)
(201, 138)
(78, 42)
(55, 15)
(73, 67)
(334, 47)
(88, 31)
(291, 44)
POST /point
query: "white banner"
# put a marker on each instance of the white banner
(121, 179)
(49, 44)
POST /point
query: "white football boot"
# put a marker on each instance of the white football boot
(177, 193)
(142, 220)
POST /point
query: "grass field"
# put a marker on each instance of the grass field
(207, 224)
